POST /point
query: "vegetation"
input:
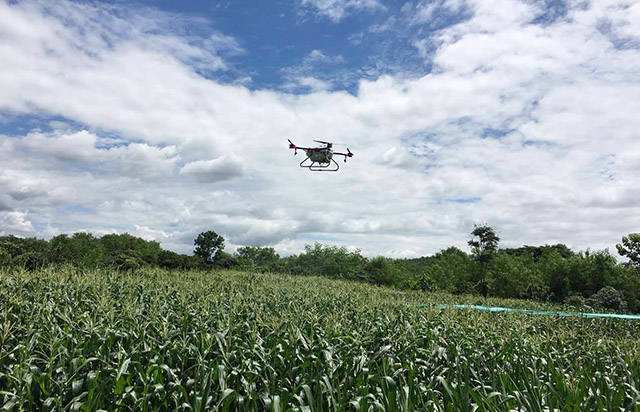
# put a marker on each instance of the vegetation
(630, 248)
(222, 340)
(550, 273)
(209, 247)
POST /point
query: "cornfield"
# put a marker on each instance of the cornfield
(156, 340)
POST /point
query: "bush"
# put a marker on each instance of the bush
(120, 246)
(575, 300)
(81, 249)
(450, 269)
(426, 283)
(608, 298)
(379, 271)
(327, 260)
(125, 261)
(262, 259)
(516, 276)
(170, 260)
(5, 258)
(224, 260)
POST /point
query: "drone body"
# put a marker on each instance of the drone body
(320, 158)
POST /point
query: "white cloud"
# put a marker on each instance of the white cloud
(15, 223)
(317, 72)
(532, 128)
(336, 10)
(214, 170)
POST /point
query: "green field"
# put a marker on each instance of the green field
(227, 340)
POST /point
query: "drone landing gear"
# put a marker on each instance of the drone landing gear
(320, 167)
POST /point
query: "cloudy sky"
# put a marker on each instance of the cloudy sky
(164, 119)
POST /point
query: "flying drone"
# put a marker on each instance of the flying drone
(320, 158)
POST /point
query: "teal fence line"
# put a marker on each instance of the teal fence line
(499, 309)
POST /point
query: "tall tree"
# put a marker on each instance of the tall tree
(630, 248)
(484, 246)
(484, 242)
(208, 246)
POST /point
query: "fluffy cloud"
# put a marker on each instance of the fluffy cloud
(213, 170)
(527, 123)
(15, 223)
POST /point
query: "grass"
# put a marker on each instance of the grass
(227, 340)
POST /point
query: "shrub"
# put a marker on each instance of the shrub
(120, 246)
(575, 300)
(379, 271)
(262, 259)
(5, 258)
(224, 260)
(608, 298)
(327, 260)
(426, 283)
(170, 260)
(514, 276)
(125, 261)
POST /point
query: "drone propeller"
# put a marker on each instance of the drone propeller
(293, 146)
(329, 144)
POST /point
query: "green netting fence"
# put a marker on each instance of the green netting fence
(500, 309)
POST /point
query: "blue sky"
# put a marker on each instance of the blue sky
(277, 38)
(163, 119)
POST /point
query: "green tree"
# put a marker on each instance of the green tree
(484, 242)
(379, 270)
(81, 249)
(630, 248)
(225, 260)
(608, 298)
(327, 260)
(170, 260)
(516, 277)
(264, 259)
(208, 246)
(127, 251)
(484, 245)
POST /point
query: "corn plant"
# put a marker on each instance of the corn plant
(195, 341)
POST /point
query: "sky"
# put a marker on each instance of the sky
(167, 118)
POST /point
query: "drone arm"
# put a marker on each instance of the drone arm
(293, 146)
(348, 154)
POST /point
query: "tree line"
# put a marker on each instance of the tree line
(546, 273)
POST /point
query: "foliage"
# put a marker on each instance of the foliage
(225, 260)
(30, 253)
(262, 259)
(517, 277)
(5, 258)
(484, 245)
(83, 249)
(576, 301)
(125, 249)
(208, 245)
(211, 340)
(380, 271)
(484, 242)
(125, 261)
(327, 260)
(608, 298)
(543, 273)
(630, 248)
(538, 252)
